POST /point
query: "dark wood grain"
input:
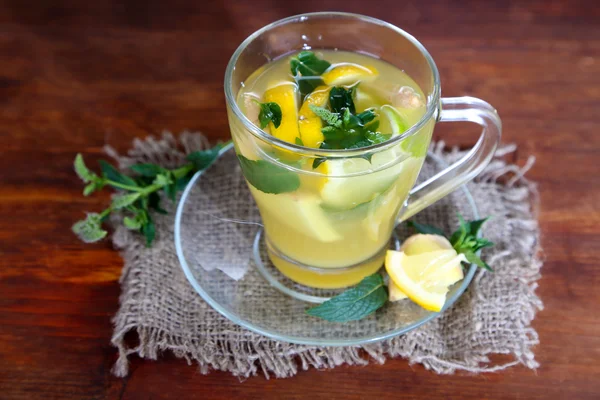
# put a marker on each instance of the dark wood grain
(77, 75)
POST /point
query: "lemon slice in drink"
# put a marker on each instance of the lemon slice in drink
(309, 124)
(424, 275)
(348, 192)
(348, 73)
(299, 212)
(285, 94)
(397, 121)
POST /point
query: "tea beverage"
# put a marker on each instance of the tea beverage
(328, 221)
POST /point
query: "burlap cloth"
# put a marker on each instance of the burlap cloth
(493, 317)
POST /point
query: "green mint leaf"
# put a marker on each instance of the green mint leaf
(331, 119)
(93, 186)
(112, 174)
(307, 84)
(268, 177)
(465, 241)
(377, 137)
(269, 112)
(82, 170)
(366, 116)
(162, 179)
(481, 243)
(373, 127)
(299, 141)
(318, 161)
(332, 134)
(346, 118)
(132, 223)
(460, 234)
(355, 303)
(148, 170)
(473, 227)
(149, 230)
(90, 230)
(306, 63)
(204, 158)
(340, 98)
(426, 229)
(474, 259)
(154, 203)
(139, 219)
(182, 182)
(171, 191)
(124, 200)
(306, 68)
(367, 156)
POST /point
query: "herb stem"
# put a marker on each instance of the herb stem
(152, 188)
(105, 213)
(123, 186)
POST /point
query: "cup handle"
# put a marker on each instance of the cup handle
(468, 109)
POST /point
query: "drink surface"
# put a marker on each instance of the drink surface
(331, 213)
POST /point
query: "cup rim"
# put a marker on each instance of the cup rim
(432, 101)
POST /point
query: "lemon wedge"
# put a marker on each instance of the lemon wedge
(285, 94)
(423, 270)
(309, 124)
(424, 243)
(348, 73)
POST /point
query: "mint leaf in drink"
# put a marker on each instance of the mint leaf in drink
(377, 137)
(268, 177)
(89, 230)
(306, 63)
(307, 68)
(269, 112)
(341, 98)
(355, 303)
(330, 118)
(299, 141)
(426, 229)
(318, 161)
(344, 129)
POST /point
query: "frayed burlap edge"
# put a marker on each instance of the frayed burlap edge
(251, 354)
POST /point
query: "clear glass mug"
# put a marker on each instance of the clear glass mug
(329, 227)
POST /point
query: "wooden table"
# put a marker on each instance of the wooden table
(77, 75)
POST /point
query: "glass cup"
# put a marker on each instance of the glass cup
(330, 226)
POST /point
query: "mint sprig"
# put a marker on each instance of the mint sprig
(307, 68)
(138, 196)
(344, 128)
(464, 240)
(355, 303)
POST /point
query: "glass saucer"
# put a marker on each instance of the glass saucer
(218, 237)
